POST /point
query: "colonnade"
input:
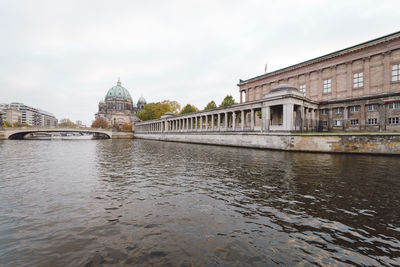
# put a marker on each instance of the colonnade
(257, 116)
(233, 120)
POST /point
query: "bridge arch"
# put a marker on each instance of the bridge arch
(19, 134)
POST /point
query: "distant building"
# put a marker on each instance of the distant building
(32, 116)
(118, 107)
(78, 123)
(2, 117)
(13, 116)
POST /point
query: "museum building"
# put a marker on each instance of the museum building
(118, 107)
(357, 88)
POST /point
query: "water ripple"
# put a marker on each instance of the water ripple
(136, 202)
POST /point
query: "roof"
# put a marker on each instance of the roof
(336, 53)
(283, 86)
(118, 91)
(142, 100)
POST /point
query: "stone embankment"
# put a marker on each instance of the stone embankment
(366, 143)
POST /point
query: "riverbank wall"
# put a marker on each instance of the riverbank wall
(122, 135)
(365, 143)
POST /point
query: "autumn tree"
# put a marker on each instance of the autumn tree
(228, 101)
(127, 126)
(174, 106)
(153, 111)
(7, 124)
(100, 122)
(210, 105)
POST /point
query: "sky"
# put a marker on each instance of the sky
(63, 56)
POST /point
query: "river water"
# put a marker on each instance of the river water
(138, 202)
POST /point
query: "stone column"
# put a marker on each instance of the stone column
(212, 122)
(219, 122)
(241, 96)
(206, 122)
(263, 122)
(226, 121)
(345, 117)
(349, 78)
(330, 119)
(288, 110)
(233, 120)
(387, 72)
(252, 119)
(302, 117)
(201, 123)
(267, 118)
(366, 76)
(242, 118)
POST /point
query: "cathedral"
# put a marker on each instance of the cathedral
(118, 107)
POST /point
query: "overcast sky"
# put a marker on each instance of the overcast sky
(63, 56)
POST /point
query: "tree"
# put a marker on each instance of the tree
(228, 101)
(24, 124)
(153, 111)
(100, 122)
(175, 107)
(210, 105)
(188, 109)
(7, 124)
(15, 124)
(66, 123)
(127, 126)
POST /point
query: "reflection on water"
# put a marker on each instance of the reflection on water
(87, 203)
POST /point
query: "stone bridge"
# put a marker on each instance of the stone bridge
(20, 132)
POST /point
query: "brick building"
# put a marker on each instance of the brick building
(357, 88)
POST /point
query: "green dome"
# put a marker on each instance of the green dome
(118, 92)
(142, 100)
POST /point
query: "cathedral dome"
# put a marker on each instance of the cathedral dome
(142, 100)
(118, 92)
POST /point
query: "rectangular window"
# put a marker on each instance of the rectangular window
(396, 73)
(354, 109)
(302, 89)
(394, 120)
(325, 123)
(358, 80)
(327, 86)
(338, 110)
(373, 107)
(354, 122)
(394, 105)
(373, 121)
(324, 111)
(338, 123)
